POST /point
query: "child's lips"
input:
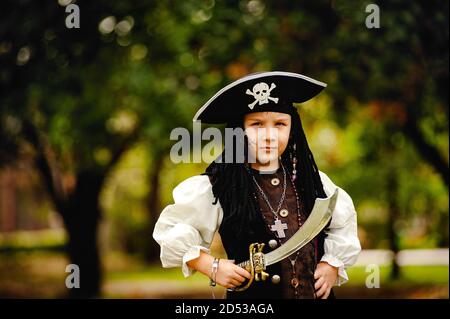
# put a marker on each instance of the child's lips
(268, 148)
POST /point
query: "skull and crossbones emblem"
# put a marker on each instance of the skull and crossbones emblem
(261, 93)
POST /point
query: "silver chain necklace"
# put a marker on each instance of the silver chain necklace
(282, 195)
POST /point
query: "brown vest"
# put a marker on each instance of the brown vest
(305, 264)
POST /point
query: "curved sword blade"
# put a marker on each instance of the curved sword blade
(317, 220)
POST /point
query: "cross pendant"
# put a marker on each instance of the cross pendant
(279, 227)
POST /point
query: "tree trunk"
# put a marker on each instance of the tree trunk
(81, 219)
(154, 208)
(79, 210)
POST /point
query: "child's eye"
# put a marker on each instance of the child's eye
(256, 124)
(281, 123)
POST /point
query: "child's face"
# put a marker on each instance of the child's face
(268, 134)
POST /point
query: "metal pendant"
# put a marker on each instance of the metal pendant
(273, 243)
(284, 212)
(279, 227)
(294, 282)
(275, 181)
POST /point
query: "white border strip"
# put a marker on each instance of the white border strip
(252, 77)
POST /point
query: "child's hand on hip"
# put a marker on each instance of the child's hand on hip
(325, 276)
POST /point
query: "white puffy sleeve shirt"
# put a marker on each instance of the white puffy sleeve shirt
(189, 224)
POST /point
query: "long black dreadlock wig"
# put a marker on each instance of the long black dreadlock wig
(233, 187)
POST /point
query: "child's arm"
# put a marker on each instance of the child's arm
(186, 228)
(341, 246)
(185, 231)
(228, 274)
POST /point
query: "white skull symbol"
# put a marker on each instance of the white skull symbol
(261, 93)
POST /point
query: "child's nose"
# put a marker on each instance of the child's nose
(270, 134)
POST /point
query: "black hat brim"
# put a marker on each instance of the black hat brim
(232, 101)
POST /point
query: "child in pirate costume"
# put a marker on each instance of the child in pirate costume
(262, 201)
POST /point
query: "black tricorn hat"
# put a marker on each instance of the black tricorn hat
(274, 91)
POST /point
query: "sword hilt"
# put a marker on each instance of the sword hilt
(255, 266)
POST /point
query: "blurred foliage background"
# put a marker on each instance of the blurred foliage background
(86, 114)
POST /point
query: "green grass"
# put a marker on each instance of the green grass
(30, 241)
(434, 275)
(156, 272)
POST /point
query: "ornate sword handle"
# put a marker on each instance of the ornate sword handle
(255, 266)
